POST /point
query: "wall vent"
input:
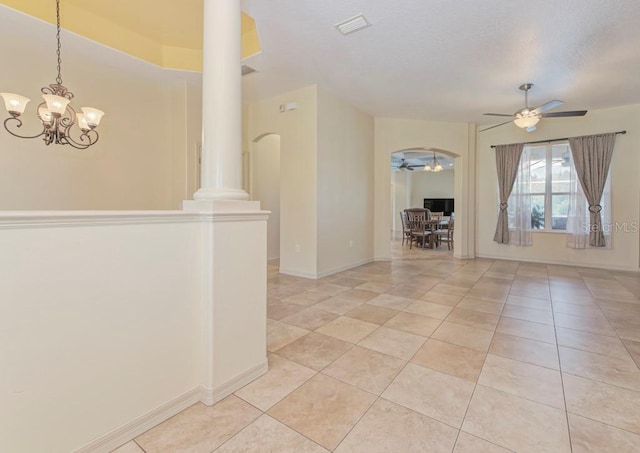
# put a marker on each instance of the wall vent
(352, 24)
(247, 70)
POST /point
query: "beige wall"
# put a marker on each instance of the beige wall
(400, 196)
(457, 140)
(431, 185)
(140, 160)
(625, 186)
(326, 171)
(265, 187)
(345, 185)
(298, 171)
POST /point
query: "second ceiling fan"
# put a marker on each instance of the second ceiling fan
(527, 118)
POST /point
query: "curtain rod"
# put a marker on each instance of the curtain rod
(556, 139)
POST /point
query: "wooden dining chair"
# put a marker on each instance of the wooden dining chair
(419, 231)
(406, 231)
(437, 215)
(445, 234)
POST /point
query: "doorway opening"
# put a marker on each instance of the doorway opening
(422, 178)
(264, 186)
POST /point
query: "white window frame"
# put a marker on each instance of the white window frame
(548, 192)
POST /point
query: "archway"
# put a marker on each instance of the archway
(421, 178)
(464, 180)
(264, 185)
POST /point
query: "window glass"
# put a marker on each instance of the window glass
(559, 211)
(560, 169)
(538, 169)
(537, 212)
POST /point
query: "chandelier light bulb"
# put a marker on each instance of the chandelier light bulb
(14, 103)
(45, 115)
(92, 116)
(56, 104)
(82, 122)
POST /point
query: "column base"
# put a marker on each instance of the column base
(212, 193)
(215, 206)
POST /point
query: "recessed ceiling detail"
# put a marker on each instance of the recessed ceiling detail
(163, 32)
(352, 24)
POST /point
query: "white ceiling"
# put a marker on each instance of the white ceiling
(450, 60)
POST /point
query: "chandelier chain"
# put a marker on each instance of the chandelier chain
(59, 77)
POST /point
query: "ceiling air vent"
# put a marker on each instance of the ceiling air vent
(247, 70)
(352, 24)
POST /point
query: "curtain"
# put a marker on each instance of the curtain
(578, 219)
(507, 161)
(592, 158)
(520, 203)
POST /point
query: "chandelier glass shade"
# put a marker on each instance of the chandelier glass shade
(56, 114)
(434, 166)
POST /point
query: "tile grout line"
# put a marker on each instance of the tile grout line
(617, 334)
(564, 396)
(475, 386)
(139, 446)
(380, 397)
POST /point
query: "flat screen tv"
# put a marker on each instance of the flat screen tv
(439, 205)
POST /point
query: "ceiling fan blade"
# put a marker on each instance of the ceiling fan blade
(410, 169)
(547, 106)
(564, 114)
(498, 114)
(497, 125)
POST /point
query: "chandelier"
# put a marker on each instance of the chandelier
(55, 113)
(434, 165)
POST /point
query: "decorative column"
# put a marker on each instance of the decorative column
(221, 171)
(233, 240)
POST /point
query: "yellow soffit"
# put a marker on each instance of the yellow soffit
(112, 34)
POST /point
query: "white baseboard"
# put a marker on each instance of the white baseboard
(344, 268)
(143, 423)
(561, 263)
(382, 258)
(139, 425)
(323, 274)
(211, 396)
(298, 273)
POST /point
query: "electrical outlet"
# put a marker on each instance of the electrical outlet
(297, 248)
(351, 243)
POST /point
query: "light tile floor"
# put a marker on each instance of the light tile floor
(431, 354)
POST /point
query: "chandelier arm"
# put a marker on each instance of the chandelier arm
(91, 138)
(19, 121)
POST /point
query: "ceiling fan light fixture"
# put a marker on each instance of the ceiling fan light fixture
(525, 121)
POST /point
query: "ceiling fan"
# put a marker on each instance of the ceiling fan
(527, 118)
(405, 166)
